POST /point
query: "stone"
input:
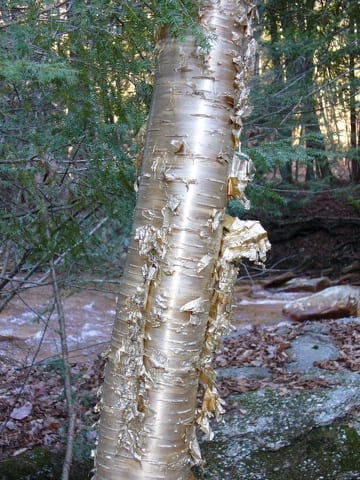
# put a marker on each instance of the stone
(306, 284)
(353, 267)
(333, 302)
(301, 435)
(250, 373)
(277, 432)
(309, 348)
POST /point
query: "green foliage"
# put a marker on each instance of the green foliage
(22, 70)
(75, 87)
(265, 198)
(303, 89)
(354, 202)
(180, 17)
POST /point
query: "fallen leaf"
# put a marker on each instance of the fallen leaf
(19, 452)
(21, 412)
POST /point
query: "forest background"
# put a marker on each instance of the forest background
(76, 83)
(75, 90)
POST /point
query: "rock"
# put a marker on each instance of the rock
(353, 267)
(299, 431)
(251, 373)
(279, 280)
(306, 284)
(348, 476)
(333, 302)
(301, 435)
(312, 346)
(36, 463)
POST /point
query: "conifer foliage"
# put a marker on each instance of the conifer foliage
(305, 95)
(75, 85)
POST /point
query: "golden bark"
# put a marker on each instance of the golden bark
(173, 304)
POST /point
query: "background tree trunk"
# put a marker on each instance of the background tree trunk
(148, 405)
(354, 120)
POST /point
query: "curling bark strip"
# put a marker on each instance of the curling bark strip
(161, 340)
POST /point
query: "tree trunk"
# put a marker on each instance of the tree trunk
(158, 349)
(277, 24)
(354, 137)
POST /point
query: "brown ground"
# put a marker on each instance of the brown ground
(322, 236)
(33, 408)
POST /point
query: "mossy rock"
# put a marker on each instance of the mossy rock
(305, 435)
(330, 453)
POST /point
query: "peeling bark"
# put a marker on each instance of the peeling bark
(176, 290)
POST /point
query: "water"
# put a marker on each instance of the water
(29, 327)
(255, 305)
(27, 332)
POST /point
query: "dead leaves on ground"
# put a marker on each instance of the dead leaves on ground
(347, 340)
(33, 408)
(32, 402)
(257, 347)
(268, 347)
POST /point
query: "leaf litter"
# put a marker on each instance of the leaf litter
(32, 400)
(33, 408)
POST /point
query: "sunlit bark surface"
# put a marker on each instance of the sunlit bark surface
(158, 349)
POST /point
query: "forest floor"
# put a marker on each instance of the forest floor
(322, 238)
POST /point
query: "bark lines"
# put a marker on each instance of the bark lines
(148, 406)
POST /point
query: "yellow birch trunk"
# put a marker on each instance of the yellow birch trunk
(170, 295)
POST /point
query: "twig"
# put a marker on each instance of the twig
(5, 279)
(46, 275)
(50, 358)
(12, 294)
(67, 376)
(63, 255)
(248, 273)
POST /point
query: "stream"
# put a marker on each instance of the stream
(29, 326)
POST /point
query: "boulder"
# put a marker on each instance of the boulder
(268, 435)
(333, 302)
(314, 345)
(306, 428)
(353, 267)
(306, 284)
